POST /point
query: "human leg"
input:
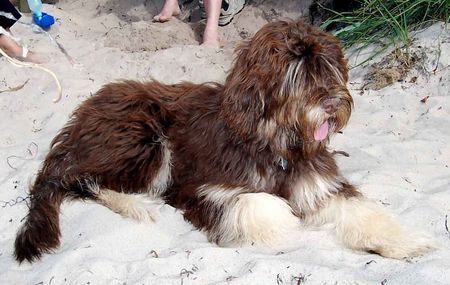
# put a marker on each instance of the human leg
(210, 34)
(14, 50)
(169, 9)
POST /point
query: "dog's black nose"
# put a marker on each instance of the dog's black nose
(331, 104)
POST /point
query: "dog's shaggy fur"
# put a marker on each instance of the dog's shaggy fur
(246, 161)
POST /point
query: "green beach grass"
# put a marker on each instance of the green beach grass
(387, 22)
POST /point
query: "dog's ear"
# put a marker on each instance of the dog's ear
(244, 97)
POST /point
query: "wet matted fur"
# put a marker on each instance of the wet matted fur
(246, 161)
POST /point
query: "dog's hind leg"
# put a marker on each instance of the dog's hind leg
(141, 207)
(363, 225)
(231, 216)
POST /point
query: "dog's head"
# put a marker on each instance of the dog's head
(288, 80)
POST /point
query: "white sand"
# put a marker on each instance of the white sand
(399, 156)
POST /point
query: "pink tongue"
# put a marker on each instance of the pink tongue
(321, 132)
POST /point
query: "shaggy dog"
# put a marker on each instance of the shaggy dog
(246, 162)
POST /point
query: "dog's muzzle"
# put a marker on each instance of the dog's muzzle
(331, 105)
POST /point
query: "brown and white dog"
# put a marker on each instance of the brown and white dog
(246, 162)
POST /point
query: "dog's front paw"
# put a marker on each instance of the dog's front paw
(363, 225)
(404, 245)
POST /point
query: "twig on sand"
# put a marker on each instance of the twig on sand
(299, 279)
(186, 272)
(17, 88)
(384, 282)
(424, 99)
(32, 150)
(16, 201)
(153, 253)
(371, 261)
(19, 63)
(66, 54)
(9, 164)
(279, 280)
(341, 152)
(438, 57)
(446, 224)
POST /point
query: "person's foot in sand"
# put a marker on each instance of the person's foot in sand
(211, 38)
(211, 34)
(169, 9)
(14, 50)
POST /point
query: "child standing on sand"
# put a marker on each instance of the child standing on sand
(217, 12)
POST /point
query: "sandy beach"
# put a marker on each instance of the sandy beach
(397, 141)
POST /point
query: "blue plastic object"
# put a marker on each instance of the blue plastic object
(44, 21)
(41, 19)
(35, 6)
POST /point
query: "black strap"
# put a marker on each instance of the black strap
(7, 8)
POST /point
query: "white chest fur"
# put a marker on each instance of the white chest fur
(310, 191)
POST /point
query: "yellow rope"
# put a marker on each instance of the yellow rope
(18, 63)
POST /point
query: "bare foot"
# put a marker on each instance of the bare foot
(170, 9)
(14, 50)
(211, 38)
(211, 44)
(35, 58)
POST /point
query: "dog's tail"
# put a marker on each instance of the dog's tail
(40, 233)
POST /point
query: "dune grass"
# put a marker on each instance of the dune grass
(387, 22)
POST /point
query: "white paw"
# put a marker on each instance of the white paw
(405, 245)
(258, 219)
(365, 226)
(142, 210)
(140, 207)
